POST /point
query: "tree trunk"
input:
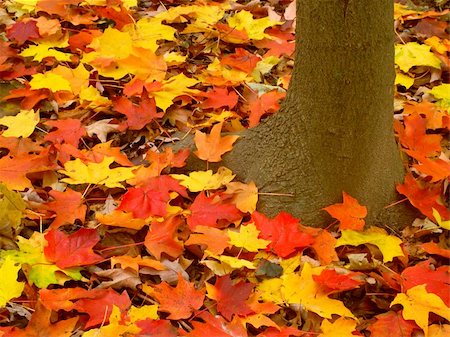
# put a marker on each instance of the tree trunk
(334, 131)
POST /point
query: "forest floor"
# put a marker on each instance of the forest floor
(102, 232)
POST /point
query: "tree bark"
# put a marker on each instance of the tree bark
(334, 131)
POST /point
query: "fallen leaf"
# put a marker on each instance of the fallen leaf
(72, 250)
(389, 245)
(180, 302)
(350, 213)
(211, 147)
(418, 303)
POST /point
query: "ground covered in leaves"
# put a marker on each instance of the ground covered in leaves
(102, 232)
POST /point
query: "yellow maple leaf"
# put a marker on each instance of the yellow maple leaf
(49, 80)
(172, 88)
(302, 289)
(145, 312)
(243, 20)
(211, 147)
(413, 54)
(293, 288)
(342, 327)
(115, 327)
(245, 196)
(403, 80)
(107, 44)
(418, 303)
(205, 180)
(147, 31)
(46, 48)
(126, 3)
(96, 173)
(78, 78)
(20, 125)
(247, 238)
(231, 261)
(442, 93)
(389, 245)
(9, 287)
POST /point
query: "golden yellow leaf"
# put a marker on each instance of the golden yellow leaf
(205, 180)
(115, 327)
(243, 20)
(146, 311)
(232, 261)
(342, 327)
(247, 238)
(9, 287)
(413, 54)
(20, 125)
(403, 80)
(436, 44)
(126, 3)
(211, 147)
(302, 289)
(147, 31)
(418, 303)
(172, 88)
(389, 245)
(46, 48)
(444, 224)
(245, 196)
(49, 80)
(107, 44)
(78, 78)
(96, 173)
(293, 288)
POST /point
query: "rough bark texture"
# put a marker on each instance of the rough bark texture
(334, 131)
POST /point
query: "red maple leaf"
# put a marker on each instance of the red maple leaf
(159, 328)
(392, 324)
(120, 17)
(29, 98)
(68, 206)
(72, 250)
(151, 200)
(231, 297)
(283, 232)
(413, 136)
(241, 60)
(81, 40)
(279, 44)
(424, 198)
(97, 303)
(23, 30)
(138, 116)
(260, 105)
(330, 281)
(436, 280)
(218, 97)
(180, 302)
(350, 213)
(68, 131)
(211, 211)
(161, 238)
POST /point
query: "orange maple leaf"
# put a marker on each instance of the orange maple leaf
(350, 213)
(180, 301)
(211, 147)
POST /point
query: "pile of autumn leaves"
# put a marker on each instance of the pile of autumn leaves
(103, 234)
